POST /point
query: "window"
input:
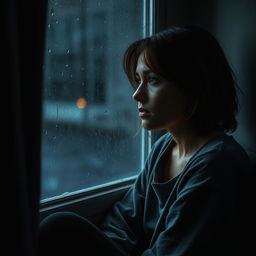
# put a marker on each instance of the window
(89, 120)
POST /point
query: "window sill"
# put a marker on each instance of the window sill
(90, 203)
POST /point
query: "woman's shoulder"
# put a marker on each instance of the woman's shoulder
(219, 147)
(225, 149)
(221, 157)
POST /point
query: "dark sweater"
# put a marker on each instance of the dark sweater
(199, 212)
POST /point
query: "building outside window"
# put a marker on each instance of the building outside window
(89, 118)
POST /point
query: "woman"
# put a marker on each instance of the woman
(189, 198)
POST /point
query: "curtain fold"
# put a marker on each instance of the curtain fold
(23, 44)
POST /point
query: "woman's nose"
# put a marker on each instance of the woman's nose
(140, 94)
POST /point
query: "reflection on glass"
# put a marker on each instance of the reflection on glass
(89, 118)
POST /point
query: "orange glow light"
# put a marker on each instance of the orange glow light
(81, 103)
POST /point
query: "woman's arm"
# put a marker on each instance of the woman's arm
(124, 222)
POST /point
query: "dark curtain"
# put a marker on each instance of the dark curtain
(22, 52)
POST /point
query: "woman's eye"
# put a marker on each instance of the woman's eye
(153, 80)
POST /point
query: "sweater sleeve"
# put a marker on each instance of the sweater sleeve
(124, 221)
(202, 218)
(123, 224)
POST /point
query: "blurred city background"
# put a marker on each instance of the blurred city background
(89, 118)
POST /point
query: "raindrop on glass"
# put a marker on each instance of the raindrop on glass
(52, 12)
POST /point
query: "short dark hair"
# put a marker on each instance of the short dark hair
(192, 58)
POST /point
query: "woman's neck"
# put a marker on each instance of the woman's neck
(187, 142)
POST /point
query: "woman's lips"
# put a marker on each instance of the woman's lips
(143, 113)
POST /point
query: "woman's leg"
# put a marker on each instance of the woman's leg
(67, 233)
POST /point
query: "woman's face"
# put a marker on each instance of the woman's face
(160, 103)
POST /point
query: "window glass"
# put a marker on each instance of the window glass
(89, 118)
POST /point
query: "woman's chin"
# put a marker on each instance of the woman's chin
(147, 125)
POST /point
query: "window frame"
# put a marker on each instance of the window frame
(93, 201)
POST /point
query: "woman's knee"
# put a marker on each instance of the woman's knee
(58, 218)
(70, 232)
(61, 231)
(67, 224)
